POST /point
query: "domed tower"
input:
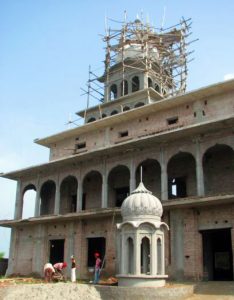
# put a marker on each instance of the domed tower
(142, 65)
(141, 240)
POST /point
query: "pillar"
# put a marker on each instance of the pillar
(199, 169)
(38, 249)
(69, 245)
(177, 243)
(12, 252)
(132, 183)
(79, 193)
(137, 254)
(104, 191)
(164, 178)
(153, 255)
(18, 201)
(57, 197)
(38, 198)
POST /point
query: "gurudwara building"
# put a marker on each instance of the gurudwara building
(182, 141)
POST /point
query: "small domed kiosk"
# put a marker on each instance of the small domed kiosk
(141, 240)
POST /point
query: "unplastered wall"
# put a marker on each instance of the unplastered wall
(102, 227)
(24, 251)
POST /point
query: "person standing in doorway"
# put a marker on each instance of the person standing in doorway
(73, 269)
(97, 267)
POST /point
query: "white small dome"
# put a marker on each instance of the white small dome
(141, 204)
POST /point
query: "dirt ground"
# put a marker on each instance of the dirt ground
(29, 288)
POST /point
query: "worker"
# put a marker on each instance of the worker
(97, 267)
(48, 272)
(59, 267)
(73, 269)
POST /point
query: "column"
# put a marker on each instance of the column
(177, 243)
(12, 252)
(57, 197)
(79, 193)
(18, 201)
(38, 255)
(153, 255)
(132, 183)
(70, 245)
(38, 198)
(123, 253)
(164, 178)
(104, 191)
(137, 252)
(199, 169)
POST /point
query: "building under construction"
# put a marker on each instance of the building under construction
(183, 141)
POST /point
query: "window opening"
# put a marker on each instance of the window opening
(113, 92)
(177, 187)
(114, 112)
(157, 88)
(139, 104)
(80, 146)
(135, 84)
(123, 133)
(91, 120)
(150, 83)
(172, 120)
(126, 108)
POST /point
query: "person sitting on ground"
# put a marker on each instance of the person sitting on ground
(59, 267)
(97, 267)
(48, 272)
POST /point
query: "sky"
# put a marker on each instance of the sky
(46, 48)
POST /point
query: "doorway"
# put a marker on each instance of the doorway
(217, 254)
(56, 251)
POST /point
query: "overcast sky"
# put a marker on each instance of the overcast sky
(45, 49)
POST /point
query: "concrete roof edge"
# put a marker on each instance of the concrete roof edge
(229, 84)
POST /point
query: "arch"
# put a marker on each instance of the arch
(68, 194)
(151, 176)
(145, 256)
(114, 112)
(218, 166)
(29, 200)
(157, 88)
(92, 190)
(135, 84)
(118, 185)
(92, 119)
(150, 82)
(113, 92)
(124, 88)
(104, 116)
(181, 170)
(126, 108)
(47, 195)
(159, 257)
(139, 104)
(129, 256)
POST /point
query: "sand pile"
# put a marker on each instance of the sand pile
(58, 291)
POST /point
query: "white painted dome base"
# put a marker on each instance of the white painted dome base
(142, 280)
